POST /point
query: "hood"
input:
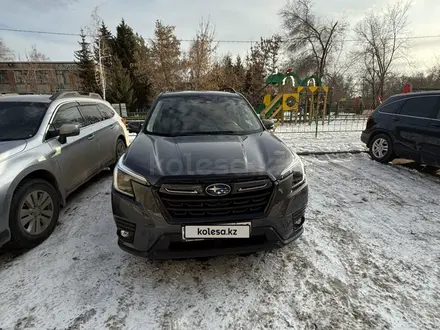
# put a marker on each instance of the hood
(154, 156)
(11, 148)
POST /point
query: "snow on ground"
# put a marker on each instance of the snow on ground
(369, 259)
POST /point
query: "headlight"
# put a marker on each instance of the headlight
(123, 176)
(296, 169)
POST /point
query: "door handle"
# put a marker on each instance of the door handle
(435, 125)
(112, 126)
(396, 119)
(91, 137)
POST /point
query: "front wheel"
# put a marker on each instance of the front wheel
(120, 149)
(35, 209)
(381, 148)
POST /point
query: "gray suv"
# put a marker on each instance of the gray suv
(50, 146)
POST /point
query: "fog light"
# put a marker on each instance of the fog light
(125, 234)
(298, 222)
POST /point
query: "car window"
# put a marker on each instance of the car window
(68, 114)
(424, 107)
(20, 120)
(91, 114)
(202, 114)
(106, 112)
(392, 107)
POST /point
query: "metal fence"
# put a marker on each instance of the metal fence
(341, 122)
(136, 115)
(333, 122)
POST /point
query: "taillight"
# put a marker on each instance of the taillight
(124, 121)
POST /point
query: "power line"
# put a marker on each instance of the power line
(219, 41)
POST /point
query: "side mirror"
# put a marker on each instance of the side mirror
(134, 126)
(67, 130)
(268, 123)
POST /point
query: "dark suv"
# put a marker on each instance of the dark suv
(406, 126)
(206, 177)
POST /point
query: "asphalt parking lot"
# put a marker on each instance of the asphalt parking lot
(369, 259)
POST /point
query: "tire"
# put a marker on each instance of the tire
(44, 219)
(381, 148)
(120, 147)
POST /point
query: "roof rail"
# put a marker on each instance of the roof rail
(95, 96)
(60, 95)
(228, 89)
(64, 94)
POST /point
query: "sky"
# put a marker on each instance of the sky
(233, 20)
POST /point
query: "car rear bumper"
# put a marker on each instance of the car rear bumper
(153, 237)
(365, 137)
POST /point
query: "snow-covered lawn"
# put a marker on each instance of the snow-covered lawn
(369, 259)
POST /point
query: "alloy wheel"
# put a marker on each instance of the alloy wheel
(380, 148)
(36, 212)
(120, 149)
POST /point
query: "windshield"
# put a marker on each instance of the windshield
(203, 114)
(20, 120)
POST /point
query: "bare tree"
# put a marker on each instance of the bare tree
(382, 42)
(5, 53)
(311, 38)
(101, 49)
(199, 61)
(165, 58)
(34, 72)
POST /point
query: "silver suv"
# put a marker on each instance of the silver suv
(49, 146)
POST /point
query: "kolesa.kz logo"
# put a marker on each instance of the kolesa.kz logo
(215, 232)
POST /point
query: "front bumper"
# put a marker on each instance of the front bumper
(5, 234)
(152, 236)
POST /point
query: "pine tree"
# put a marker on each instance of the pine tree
(130, 50)
(228, 79)
(125, 45)
(122, 87)
(86, 66)
(239, 73)
(141, 74)
(106, 42)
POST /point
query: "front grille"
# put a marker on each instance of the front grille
(187, 199)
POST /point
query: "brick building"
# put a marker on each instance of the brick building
(38, 77)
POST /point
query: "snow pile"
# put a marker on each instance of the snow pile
(324, 142)
(369, 259)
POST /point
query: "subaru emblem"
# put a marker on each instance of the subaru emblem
(218, 189)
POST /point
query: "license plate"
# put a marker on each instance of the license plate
(239, 230)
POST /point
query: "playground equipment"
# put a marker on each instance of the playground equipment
(302, 100)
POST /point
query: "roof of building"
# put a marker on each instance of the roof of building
(26, 98)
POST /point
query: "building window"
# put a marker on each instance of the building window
(4, 77)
